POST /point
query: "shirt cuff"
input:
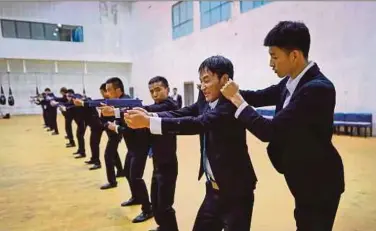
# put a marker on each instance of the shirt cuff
(117, 129)
(117, 113)
(152, 114)
(240, 109)
(156, 125)
(99, 113)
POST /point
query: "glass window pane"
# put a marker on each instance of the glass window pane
(8, 28)
(65, 34)
(205, 20)
(37, 30)
(78, 34)
(175, 14)
(51, 32)
(258, 3)
(225, 12)
(183, 12)
(245, 6)
(189, 6)
(215, 15)
(204, 6)
(214, 4)
(23, 30)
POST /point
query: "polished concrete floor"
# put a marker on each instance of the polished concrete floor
(43, 188)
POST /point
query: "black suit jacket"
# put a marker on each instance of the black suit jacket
(300, 134)
(163, 147)
(179, 101)
(226, 148)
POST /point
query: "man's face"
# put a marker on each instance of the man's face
(104, 94)
(62, 93)
(175, 91)
(211, 85)
(158, 91)
(281, 61)
(112, 93)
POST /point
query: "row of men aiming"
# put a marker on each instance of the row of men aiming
(140, 144)
(299, 137)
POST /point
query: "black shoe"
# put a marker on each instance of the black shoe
(70, 145)
(130, 202)
(80, 156)
(95, 166)
(143, 217)
(55, 133)
(90, 162)
(66, 137)
(77, 152)
(108, 186)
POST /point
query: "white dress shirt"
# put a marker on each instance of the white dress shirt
(290, 85)
(156, 129)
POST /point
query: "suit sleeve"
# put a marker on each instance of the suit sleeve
(267, 97)
(304, 109)
(191, 110)
(195, 125)
(158, 107)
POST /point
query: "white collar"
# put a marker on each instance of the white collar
(213, 104)
(293, 83)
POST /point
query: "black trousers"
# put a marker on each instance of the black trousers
(163, 186)
(68, 127)
(80, 134)
(45, 117)
(95, 139)
(217, 213)
(52, 117)
(134, 167)
(317, 214)
(111, 156)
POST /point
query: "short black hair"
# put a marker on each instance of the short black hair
(47, 89)
(175, 88)
(63, 89)
(116, 82)
(218, 65)
(289, 35)
(157, 79)
(70, 91)
(103, 87)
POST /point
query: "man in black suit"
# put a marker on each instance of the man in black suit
(225, 160)
(300, 133)
(165, 165)
(177, 97)
(51, 112)
(97, 128)
(115, 90)
(78, 115)
(68, 118)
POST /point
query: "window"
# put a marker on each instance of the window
(37, 30)
(8, 28)
(41, 31)
(23, 30)
(248, 5)
(213, 12)
(182, 19)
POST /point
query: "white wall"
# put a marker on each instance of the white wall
(103, 39)
(41, 73)
(343, 44)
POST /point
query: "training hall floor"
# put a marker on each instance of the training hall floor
(43, 188)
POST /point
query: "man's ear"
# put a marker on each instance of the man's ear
(224, 79)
